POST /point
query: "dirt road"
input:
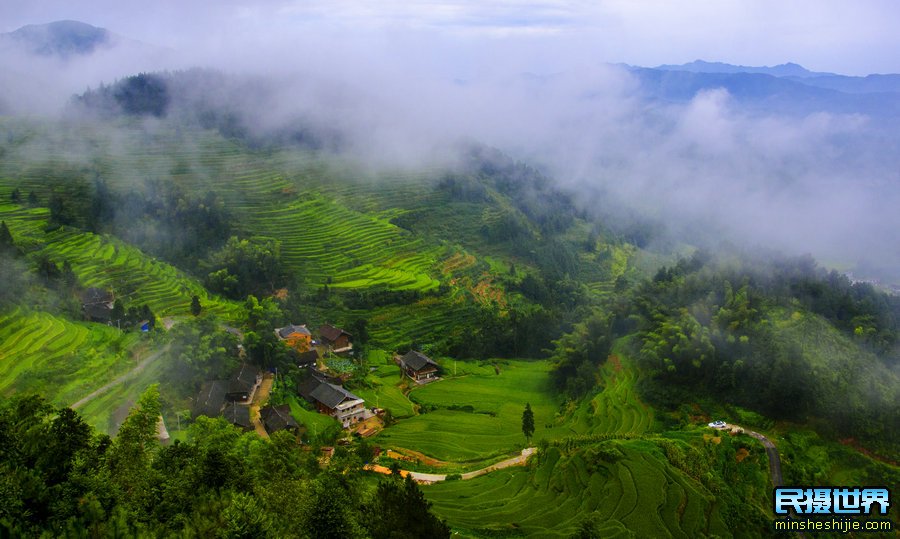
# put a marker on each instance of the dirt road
(130, 374)
(436, 478)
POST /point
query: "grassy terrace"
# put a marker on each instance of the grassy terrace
(106, 262)
(58, 358)
(628, 486)
(476, 415)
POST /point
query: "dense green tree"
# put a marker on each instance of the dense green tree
(399, 510)
(247, 266)
(528, 422)
(7, 245)
(195, 305)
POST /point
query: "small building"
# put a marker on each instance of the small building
(276, 418)
(308, 359)
(333, 400)
(417, 366)
(211, 399)
(335, 339)
(97, 304)
(243, 384)
(238, 415)
(297, 337)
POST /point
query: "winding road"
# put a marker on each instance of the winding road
(124, 377)
(436, 478)
(774, 459)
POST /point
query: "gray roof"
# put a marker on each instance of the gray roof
(417, 360)
(211, 398)
(287, 330)
(94, 295)
(331, 395)
(237, 415)
(278, 418)
(244, 380)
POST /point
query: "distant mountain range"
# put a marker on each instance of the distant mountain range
(784, 70)
(786, 88)
(59, 38)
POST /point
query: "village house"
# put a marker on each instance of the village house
(417, 366)
(238, 415)
(97, 304)
(243, 384)
(333, 400)
(297, 337)
(211, 399)
(276, 418)
(308, 359)
(336, 339)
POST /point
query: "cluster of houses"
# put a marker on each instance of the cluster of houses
(230, 398)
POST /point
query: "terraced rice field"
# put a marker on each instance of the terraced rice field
(625, 485)
(616, 409)
(57, 358)
(478, 415)
(397, 326)
(107, 263)
(387, 390)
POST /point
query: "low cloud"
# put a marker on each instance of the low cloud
(822, 182)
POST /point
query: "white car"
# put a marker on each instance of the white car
(718, 424)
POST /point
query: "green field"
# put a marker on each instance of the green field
(626, 485)
(58, 358)
(490, 424)
(477, 414)
(387, 386)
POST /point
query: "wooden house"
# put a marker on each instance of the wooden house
(308, 359)
(243, 384)
(211, 399)
(97, 304)
(238, 415)
(333, 400)
(417, 366)
(336, 339)
(276, 418)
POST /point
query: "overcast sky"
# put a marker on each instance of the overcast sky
(857, 37)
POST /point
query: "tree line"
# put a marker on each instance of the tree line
(60, 478)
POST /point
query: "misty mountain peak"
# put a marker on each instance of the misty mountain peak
(59, 38)
(788, 69)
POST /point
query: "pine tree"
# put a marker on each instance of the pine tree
(7, 245)
(528, 422)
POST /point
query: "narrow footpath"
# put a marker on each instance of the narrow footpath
(260, 397)
(437, 478)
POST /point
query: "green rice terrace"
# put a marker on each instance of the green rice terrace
(459, 271)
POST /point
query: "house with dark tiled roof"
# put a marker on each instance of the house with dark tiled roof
(238, 415)
(417, 366)
(97, 304)
(297, 337)
(210, 399)
(333, 400)
(335, 339)
(276, 418)
(308, 359)
(243, 384)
